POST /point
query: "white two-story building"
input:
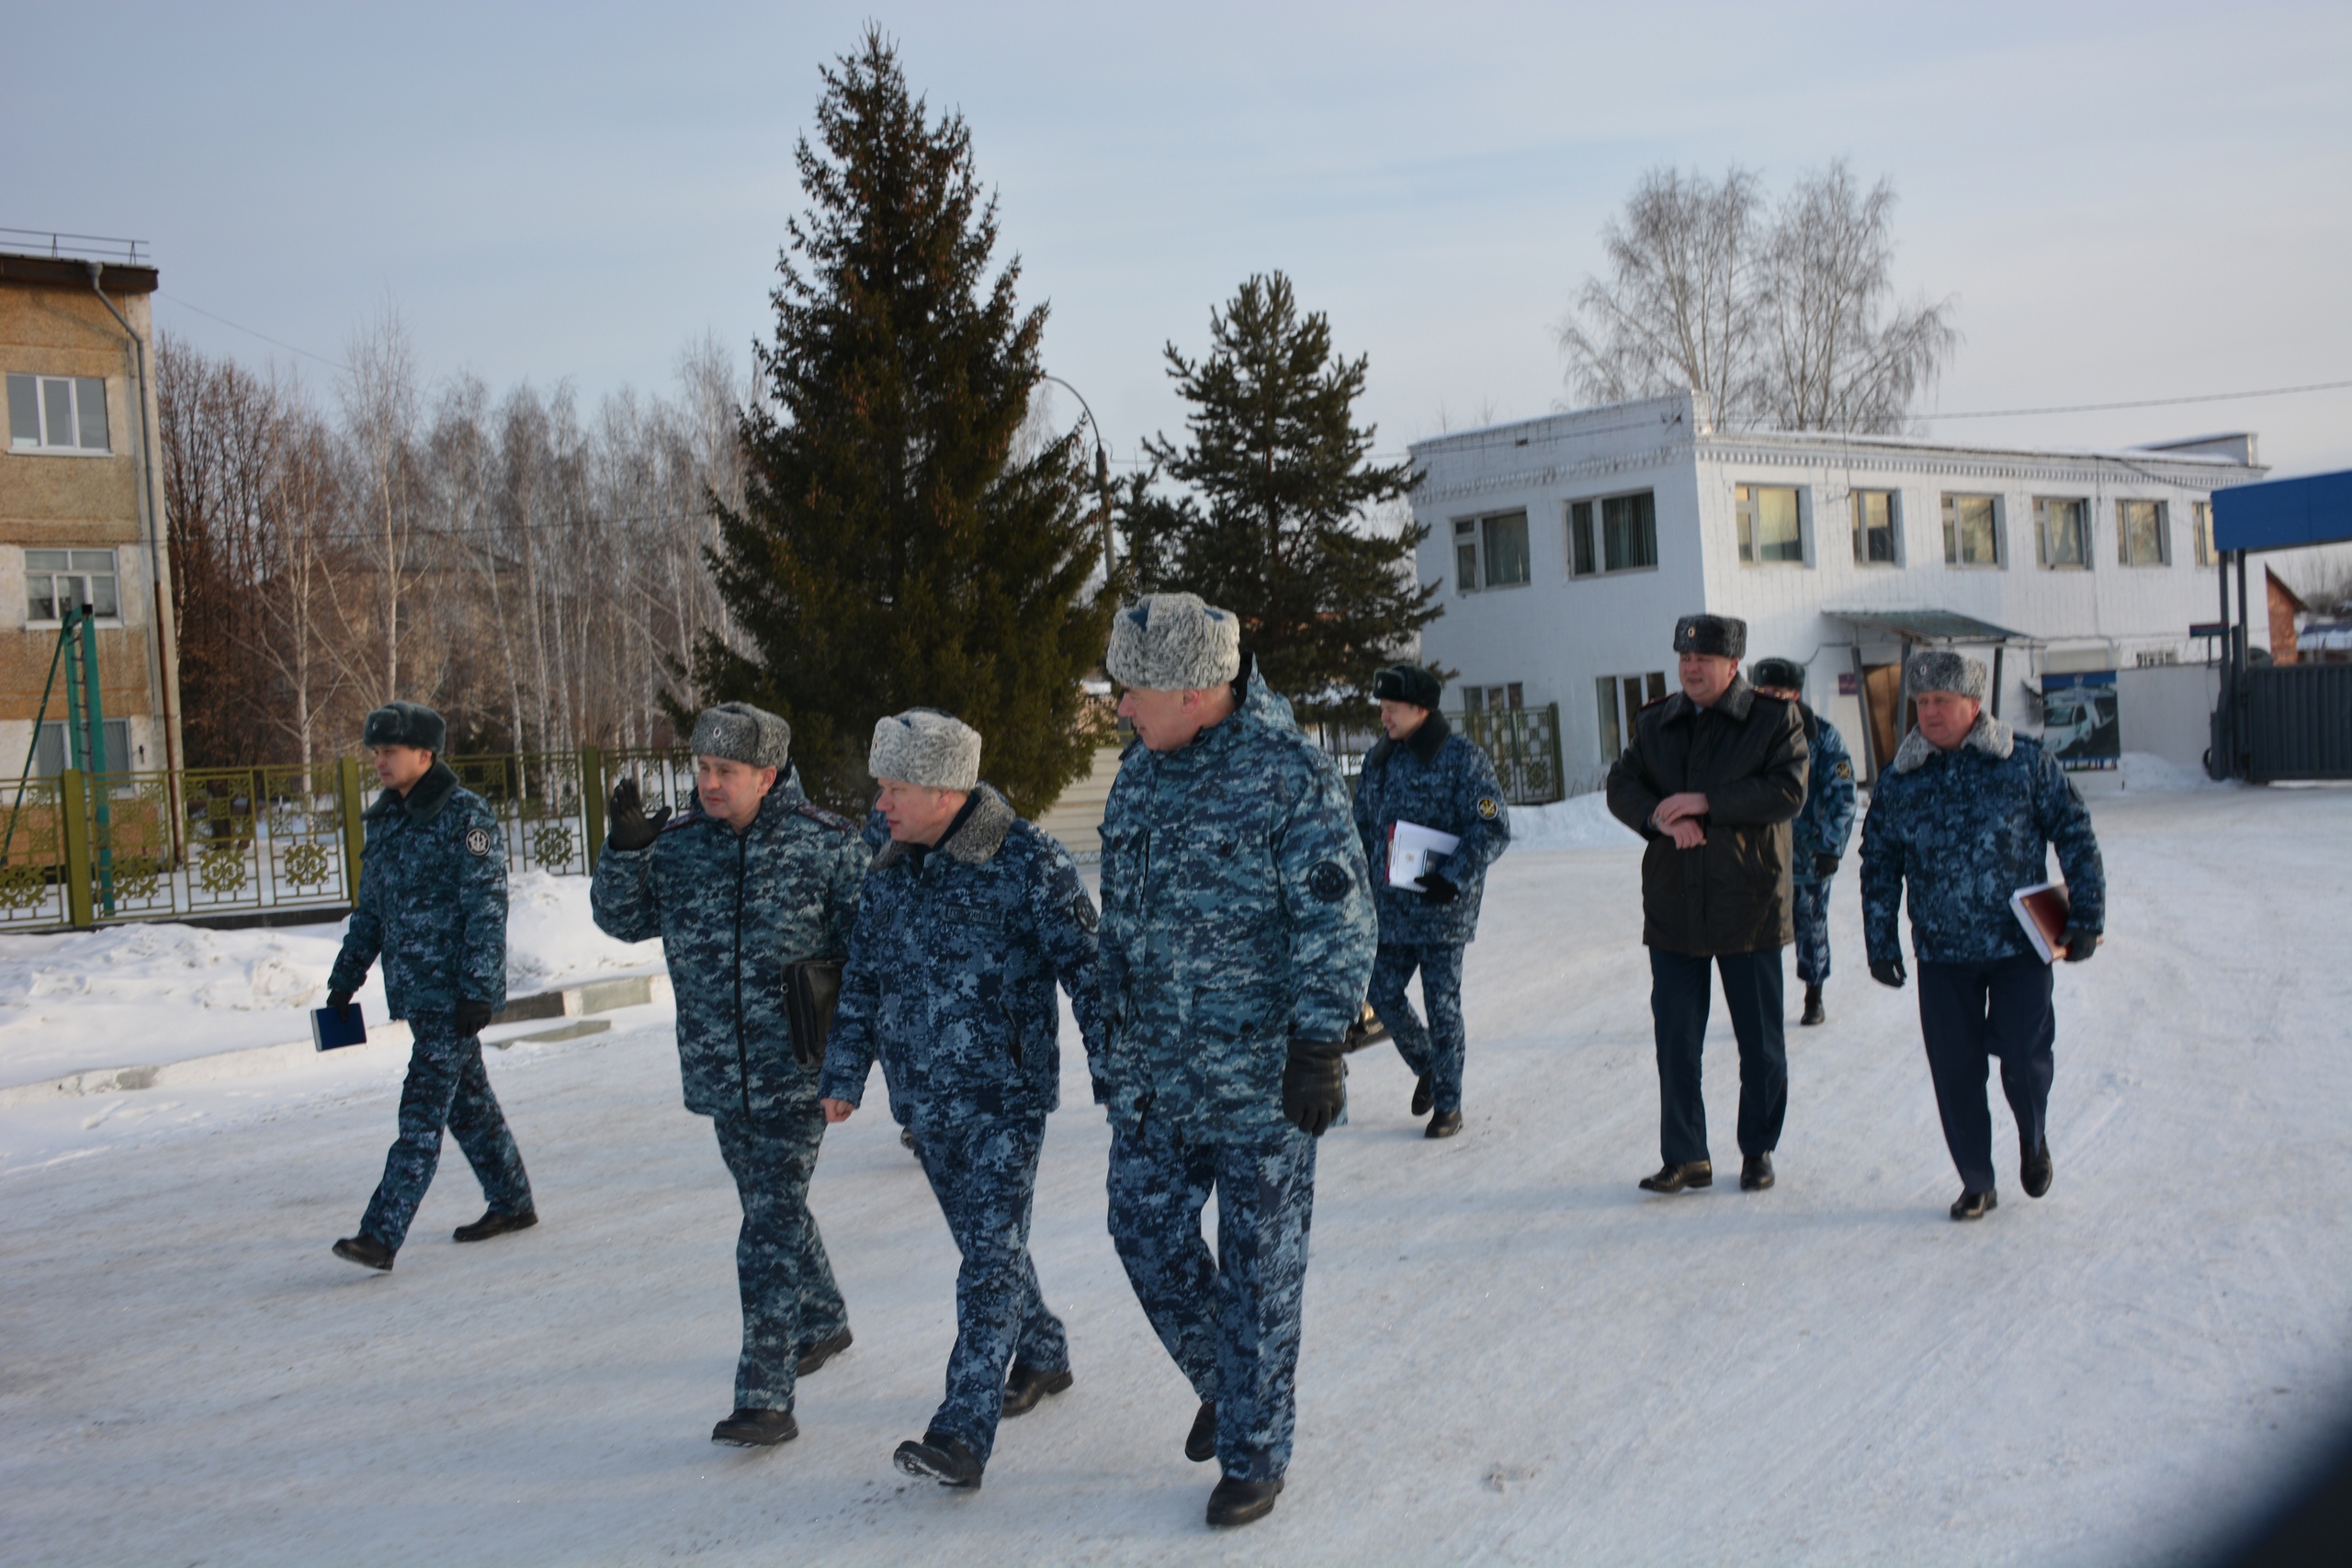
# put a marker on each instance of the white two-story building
(1568, 545)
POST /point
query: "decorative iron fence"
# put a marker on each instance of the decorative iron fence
(1524, 743)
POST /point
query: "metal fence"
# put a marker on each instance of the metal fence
(2296, 722)
(1524, 743)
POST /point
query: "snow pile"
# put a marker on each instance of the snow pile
(2146, 771)
(552, 940)
(1579, 822)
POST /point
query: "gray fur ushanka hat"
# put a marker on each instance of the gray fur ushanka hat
(406, 724)
(742, 733)
(1173, 642)
(923, 746)
(1941, 670)
(1724, 636)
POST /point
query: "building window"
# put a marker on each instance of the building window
(57, 413)
(59, 581)
(2200, 530)
(1874, 527)
(1490, 552)
(1494, 699)
(1618, 698)
(1771, 529)
(1626, 539)
(50, 752)
(1972, 531)
(2140, 533)
(2060, 532)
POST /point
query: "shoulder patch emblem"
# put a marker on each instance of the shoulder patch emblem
(1845, 769)
(1329, 881)
(478, 842)
(1487, 808)
(1082, 910)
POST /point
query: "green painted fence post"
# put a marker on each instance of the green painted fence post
(354, 831)
(591, 800)
(73, 811)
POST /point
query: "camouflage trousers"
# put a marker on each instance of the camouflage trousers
(984, 1172)
(1813, 931)
(1231, 1322)
(447, 1088)
(790, 1302)
(1434, 1050)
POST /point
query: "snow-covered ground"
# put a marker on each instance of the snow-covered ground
(1511, 1355)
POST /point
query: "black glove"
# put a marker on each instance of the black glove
(1436, 890)
(1315, 1086)
(2080, 943)
(341, 1002)
(1888, 972)
(627, 826)
(472, 1017)
(1825, 866)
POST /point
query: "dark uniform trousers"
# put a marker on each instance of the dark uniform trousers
(1434, 1050)
(1680, 987)
(984, 1172)
(1230, 1323)
(1969, 1013)
(1811, 908)
(447, 1088)
(790, 1302)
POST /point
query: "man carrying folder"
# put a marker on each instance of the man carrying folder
(1963, 818)
(1423, 785)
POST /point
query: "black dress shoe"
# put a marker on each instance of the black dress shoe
(365, 1250)
(2035, 1170)
(817, 1355)
(946, 1460)
(748, 1429)
(1814, 1011)
(1756, 1173)
(1200, 1443)
(1445, 1124)
(492, 1223)
(1424, 1094)
(1240, 1502)
(1027, 1385)
(1674, 1178)
(1975, 1205)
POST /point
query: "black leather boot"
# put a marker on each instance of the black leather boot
(366, 1251)
(946, 1460)
(492, 1223)
(1240, 1502)
(1756, 1173)
(1445, 1124)
(1200, 1443)
(1027, 1385)
(1674, 1178)
(2035, 1170)
(817, 1355)
(748, 1429)
(1424, 1094)
(1813, 1009)
(1975, 1205)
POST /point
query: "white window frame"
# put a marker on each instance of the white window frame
(1894, 529)
(74, 571)
(1471, 534)
(2123, 531)
(1614, 707)
(1747, 514)
(2201, 530)
(78, 390)
(1951, 531)
(1595, 509)
(2041, 539)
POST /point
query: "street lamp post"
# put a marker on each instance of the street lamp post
(1102, 474)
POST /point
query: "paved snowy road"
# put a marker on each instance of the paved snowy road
(1511, 1355)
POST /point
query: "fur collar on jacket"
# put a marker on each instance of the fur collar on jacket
(1989, 736)
(978, 836)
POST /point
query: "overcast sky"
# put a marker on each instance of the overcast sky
(2126, 202)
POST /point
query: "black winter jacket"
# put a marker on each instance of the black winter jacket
(1747, 756)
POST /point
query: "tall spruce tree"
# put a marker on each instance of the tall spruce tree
(1277, 528)
(890, 553)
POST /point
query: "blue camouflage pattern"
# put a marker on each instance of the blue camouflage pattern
(791, 1302)
(1434, 1050)
(1810, 908)
(983, 1170)
(1964, 829)
(1826, 823)
(954, 965)
(445, 1087)
(1236, 916)
(732, 911)
(431, 901)
(1231, 1320)
(1437, 780)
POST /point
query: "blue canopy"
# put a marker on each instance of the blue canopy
(2281, 513)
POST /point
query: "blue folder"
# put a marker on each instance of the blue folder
(331, 1031)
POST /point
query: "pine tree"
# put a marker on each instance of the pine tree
(1277, 529)
(889, 553)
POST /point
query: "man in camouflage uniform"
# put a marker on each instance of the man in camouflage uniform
(1820, 831)
(1237, 935)
(971, 918)
(749, 880)
(1423, 772)
(432, 901)
(1963, 818)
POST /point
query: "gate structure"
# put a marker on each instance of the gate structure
(2281, 721)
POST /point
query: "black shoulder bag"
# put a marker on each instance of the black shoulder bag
(812, 988)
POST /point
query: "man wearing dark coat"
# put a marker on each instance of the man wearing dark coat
(1713, 779)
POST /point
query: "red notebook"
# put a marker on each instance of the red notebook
(2042, 910)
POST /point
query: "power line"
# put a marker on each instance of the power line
(2143, 402)
(264, 337)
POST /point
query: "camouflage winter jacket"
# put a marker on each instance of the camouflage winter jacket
(1236, 916)
(431, 901)
(1436, 778)
(1965, 829)
(953, 968)
(1827, 822)
(731, 910)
